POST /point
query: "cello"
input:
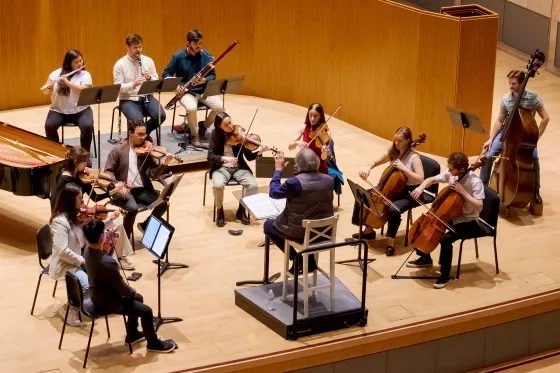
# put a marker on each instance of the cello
(427, 230)
(390, 186)
(513, 173)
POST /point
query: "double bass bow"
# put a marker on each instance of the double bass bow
(427, 230)
(513, 174)
(390, 186)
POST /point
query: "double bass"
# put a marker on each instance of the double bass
(390, 186)
(513, 174)
(426, 232)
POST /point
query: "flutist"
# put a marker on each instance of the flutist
(131, 71)
(186, 64)
(64, 85)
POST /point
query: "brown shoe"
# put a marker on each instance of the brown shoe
(195, 142)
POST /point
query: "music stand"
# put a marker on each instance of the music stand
(164, 197)
(362, 197)
(265, 167)
(465, 120)
(99, 95)
(156, 239)
(232, 86)
(162, 85)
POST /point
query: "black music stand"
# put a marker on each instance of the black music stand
(99, 95)
(464, 120)
(232, 86)
(156, 239)
(164, 197)
(162, 85)
(362, 197)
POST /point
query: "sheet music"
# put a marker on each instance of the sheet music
(161, 240)
(262, 206)
(150, 233)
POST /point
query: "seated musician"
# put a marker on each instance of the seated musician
(131, 71)
(229, 162)
(65, 92)
(186, 64)
(110, 294)
(314, 118)
(309, 195)
(68, 242)
(133, 173)
(465, 223)
(530, 101)
(411, 165)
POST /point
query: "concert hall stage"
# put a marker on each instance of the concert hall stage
(218, 336)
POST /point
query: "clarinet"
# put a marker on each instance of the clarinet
(140, 65)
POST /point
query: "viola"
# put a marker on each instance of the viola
(513, 174)
(101, 179)
(86, 213)
(158, 152)
(250, 141)
(426, 232)
(390, 186)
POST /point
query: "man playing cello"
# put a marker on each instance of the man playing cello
(472, 189)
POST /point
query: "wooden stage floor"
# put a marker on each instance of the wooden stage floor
(214, 330)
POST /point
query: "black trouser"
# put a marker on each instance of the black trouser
(83, 119)
(143, 196)
(138, 109)
(135, 308)
(463, 231)
(403, 202)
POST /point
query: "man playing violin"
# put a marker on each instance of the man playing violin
(493, 147)
(133, 174)
(314, 118)
(411, 165)
(472, 189)
(229, 161)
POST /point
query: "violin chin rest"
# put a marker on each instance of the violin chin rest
(235, 232)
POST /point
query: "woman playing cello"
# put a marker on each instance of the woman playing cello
(411, 166)
(471, 188)
(313, 120)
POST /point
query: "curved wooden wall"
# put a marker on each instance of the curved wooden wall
(387, 64)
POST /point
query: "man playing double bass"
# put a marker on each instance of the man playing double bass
(465, 224)
(530, 101)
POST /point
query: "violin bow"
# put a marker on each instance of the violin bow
(378, 192)
(434, 215)
(245, 137)
(93, 186)
(325, 124)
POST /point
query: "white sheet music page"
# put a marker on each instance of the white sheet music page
(263, 207)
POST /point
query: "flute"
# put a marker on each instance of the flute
(47, 87)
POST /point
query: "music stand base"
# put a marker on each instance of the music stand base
(159, 321)
(359, 261)
(270, 280)
(398, 277)
(164, 266)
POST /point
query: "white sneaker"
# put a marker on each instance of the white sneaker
(73, 317)
(127, 264)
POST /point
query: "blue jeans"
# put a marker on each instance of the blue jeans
(139, 109)
(83, 278)
(495, 149)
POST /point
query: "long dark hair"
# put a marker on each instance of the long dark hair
(219, 136)
(318, 108)
(407, 134)
(75, 156)
(66, 203)
(70, 56)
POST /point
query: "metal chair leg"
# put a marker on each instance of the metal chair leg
(125, 327)
(496, 256)
(64, 326)
(54, 290)
(107, 324)
(89, 342)
(459, 262)
(94, 141)
(204, 194)
(476, 247)
(36, 292)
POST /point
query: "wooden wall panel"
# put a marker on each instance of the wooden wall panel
(387, 64)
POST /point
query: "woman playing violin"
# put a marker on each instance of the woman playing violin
(411, 165)
(68, 241)
(313, 120)
(229, 161)
(472, 189)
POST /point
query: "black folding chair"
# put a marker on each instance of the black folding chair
(44, 251)
(76, 299)
(487, 223)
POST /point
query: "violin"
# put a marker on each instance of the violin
(110, 239)
(427, 230)
(390, 186)
(86, 213)
(158, 152)
(101, 179)
(513, 173)
(320, 135)
(250, 141)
